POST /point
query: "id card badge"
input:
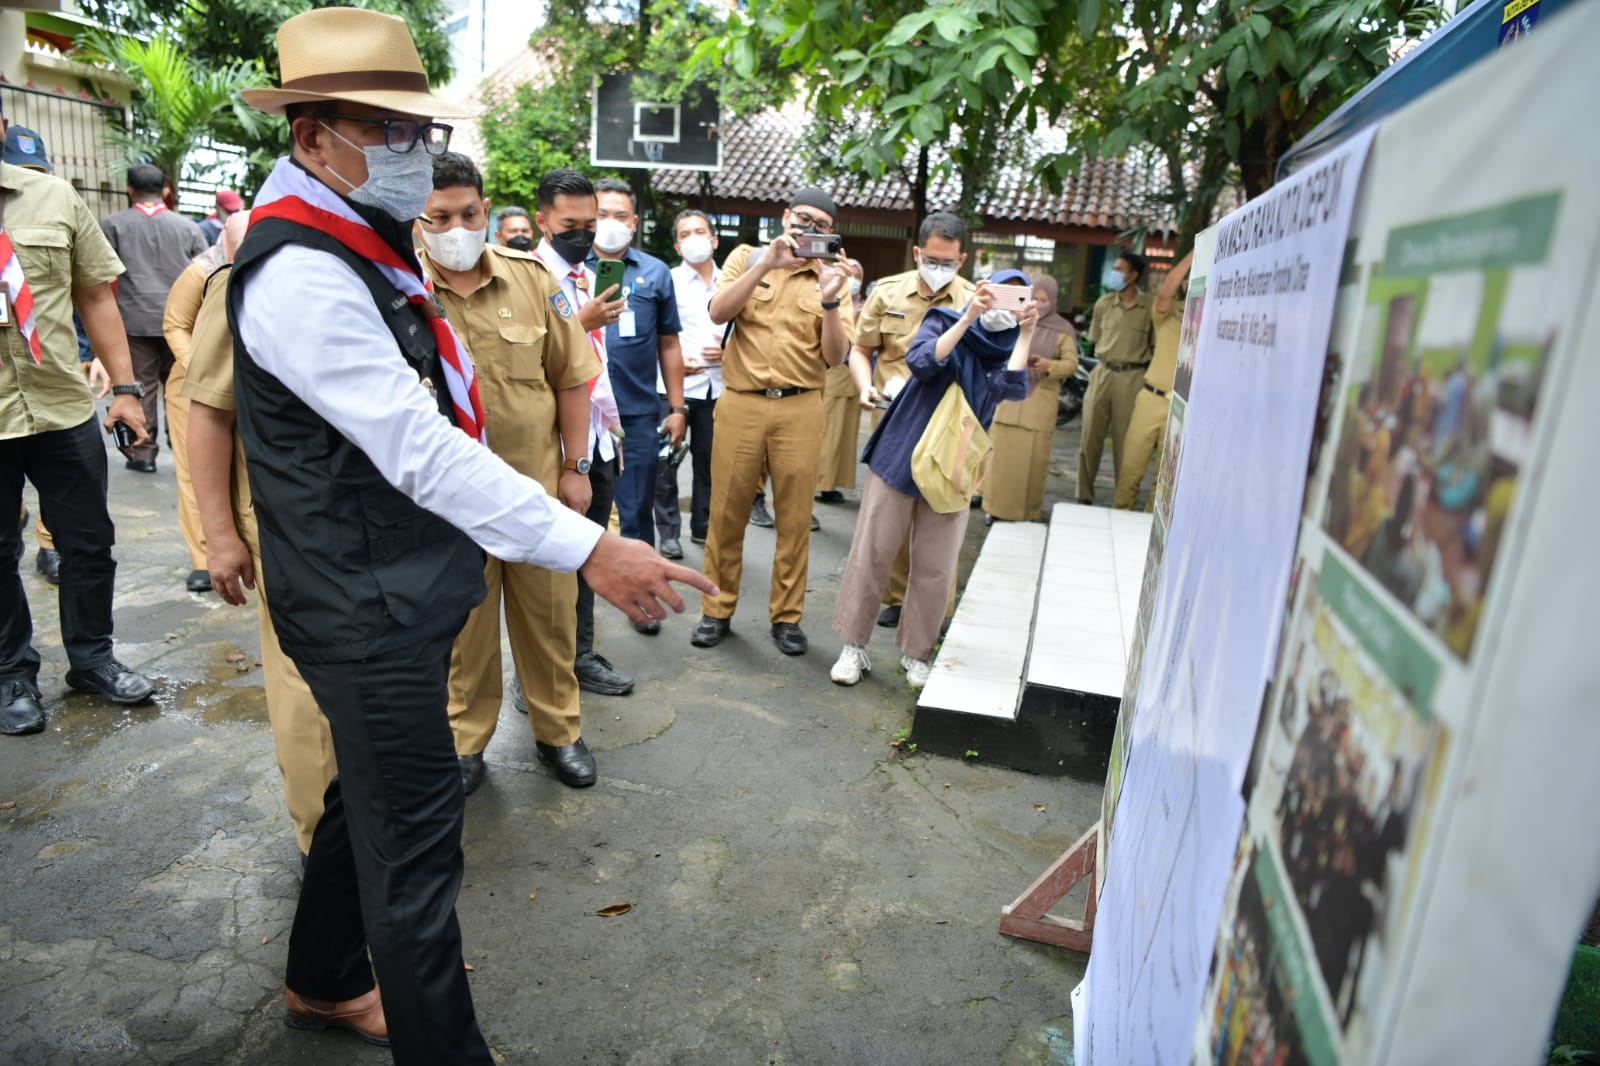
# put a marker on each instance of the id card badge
(625, 325)
(5, 307)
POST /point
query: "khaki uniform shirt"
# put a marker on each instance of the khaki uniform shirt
(523, 350)
(183, 304)
(1122, 335)
(1038, 412)
(61, 248)
(210, 381)
(777, 336)
(893, 313)
(1169, 330)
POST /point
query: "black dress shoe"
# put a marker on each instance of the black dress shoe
(113, 681)
(572, 762)
(21, 712)
(988, 520)
(143, 466)
(649, 629)
(710, 631)
(816, 527)
(519, 702)
(789, 638)
(198, 581)
(596, 674)
(48, 563)
(471, 772)
(889, 617)
(830, 496)
(671, 549)
(698, 538)
(759, 515)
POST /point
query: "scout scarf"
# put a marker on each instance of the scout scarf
(19, 295)
(290, 193)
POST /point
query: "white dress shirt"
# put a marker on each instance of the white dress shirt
(309, 321)
(602, 402)
(694, 316)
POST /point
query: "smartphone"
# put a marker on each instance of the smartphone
(122, 434)
(817, 245)
(1011, 297)
(608, 272)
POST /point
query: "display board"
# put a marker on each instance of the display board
(1385, 843)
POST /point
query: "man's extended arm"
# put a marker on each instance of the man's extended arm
(102, 324)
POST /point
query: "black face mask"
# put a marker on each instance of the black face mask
(520, 243)
(573, 245)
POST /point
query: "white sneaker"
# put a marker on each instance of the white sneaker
(853, 662)
(916, 670)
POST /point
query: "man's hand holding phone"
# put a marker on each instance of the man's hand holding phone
(126, 410)
(602, 310)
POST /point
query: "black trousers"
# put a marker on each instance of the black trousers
(603, 484)
(669, 523)
(385, 862)
(152, 363)
(68, 467)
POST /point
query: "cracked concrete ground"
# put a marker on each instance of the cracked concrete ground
(801, 893)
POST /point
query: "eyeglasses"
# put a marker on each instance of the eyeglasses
(402, 134)
(948, 264)
(805, 218)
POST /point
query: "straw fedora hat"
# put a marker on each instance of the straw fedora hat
(347, 53)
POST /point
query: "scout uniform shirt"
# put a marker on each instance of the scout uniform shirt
(777, 336)
(891, 315)
(60, 248)
(1122, 335)
(525, 342)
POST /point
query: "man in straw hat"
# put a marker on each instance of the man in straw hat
(363, 435)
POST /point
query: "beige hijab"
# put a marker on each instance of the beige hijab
(1047, 335)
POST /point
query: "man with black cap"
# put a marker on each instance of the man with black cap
(789, 326)
(54, 259)
(375, 497)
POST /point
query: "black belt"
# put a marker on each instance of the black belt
(775, 394)
(1159, 392)
(1125, 366)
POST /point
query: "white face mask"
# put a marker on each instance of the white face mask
(997, 321)
(456, 249)
(695, 248)
(398, 183)
(611, 236)
(855, 286)
(936, 277)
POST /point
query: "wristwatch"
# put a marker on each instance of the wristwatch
(580, 465)
(135, 389)
(826, 306)
(677, 410)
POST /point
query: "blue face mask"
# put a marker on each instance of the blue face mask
(1114, 279)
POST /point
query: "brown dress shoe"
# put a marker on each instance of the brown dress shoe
(363, 1015)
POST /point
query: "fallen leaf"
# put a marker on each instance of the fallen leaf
(468, 966)
(614, 910)
(235, 657)
(263, 940)
(7, 806)
(533, 895)
(242, 666)
(1039, 807)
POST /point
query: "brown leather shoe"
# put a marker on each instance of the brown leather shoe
(363, 1015)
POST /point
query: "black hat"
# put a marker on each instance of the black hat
(25, 149)
(814, 197)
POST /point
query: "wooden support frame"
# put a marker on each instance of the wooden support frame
(1027, 917)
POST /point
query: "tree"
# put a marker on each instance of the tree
(1221, 89)
(178, 104)
(220, 34)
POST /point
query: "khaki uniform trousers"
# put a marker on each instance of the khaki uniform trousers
(178, 432)
(542, 620)
(1014, 491)
(752, 430)
(300, 736)
(1142, 446)
(841, 418)
(1107, 406)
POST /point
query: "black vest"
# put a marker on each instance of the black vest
(355, 567)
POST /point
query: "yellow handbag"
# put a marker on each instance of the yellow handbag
(949, 457)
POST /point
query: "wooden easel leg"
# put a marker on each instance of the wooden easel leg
(1027, 916)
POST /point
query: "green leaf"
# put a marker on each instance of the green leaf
(1088, 16)
(988, 59)
(1022, 39)
(1260, 25)
(744, 57)
(1237, 61)
(1024, 11)
(1018, 67)
(1230, 138)
(909, 27)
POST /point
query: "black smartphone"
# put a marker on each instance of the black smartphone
(608, 272)
(123, 435)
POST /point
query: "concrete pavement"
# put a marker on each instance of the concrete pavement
(802, 892)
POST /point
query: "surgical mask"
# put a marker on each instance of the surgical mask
(521, 242)
(398, 183)
(611, 236)
(456, 249)
(936, 277)
(695, 248)
(855, 286)
(1115, 280)
(997, 321)
(573, 245)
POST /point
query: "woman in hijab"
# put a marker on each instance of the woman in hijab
(986, 352)
(1014, 488)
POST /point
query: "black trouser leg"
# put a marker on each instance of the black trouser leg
(603, 485)
(669, 523)
(702, 418)
(18, 660)
(398, 863)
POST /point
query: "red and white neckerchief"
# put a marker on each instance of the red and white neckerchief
(18, 293)
(149, 208)
(290, 193)
(597, 337)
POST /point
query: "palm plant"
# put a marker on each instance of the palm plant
(179, 103)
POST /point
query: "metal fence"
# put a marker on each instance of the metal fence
(74, 130)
